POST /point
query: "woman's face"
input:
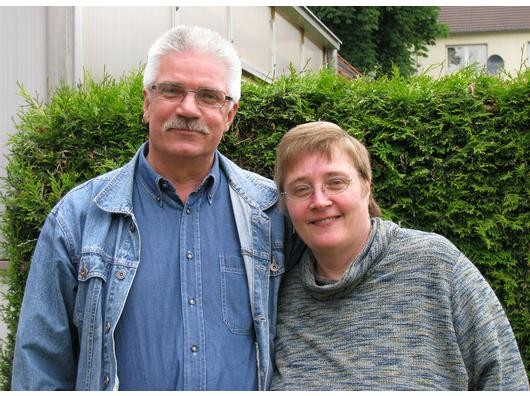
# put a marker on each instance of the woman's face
(328, 223)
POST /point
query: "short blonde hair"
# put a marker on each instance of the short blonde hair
(322, 137)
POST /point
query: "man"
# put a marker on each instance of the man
(162, 274)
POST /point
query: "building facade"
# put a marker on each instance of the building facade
(492, 37)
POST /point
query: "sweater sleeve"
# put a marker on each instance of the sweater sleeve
(485, 337)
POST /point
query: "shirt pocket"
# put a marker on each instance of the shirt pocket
(235, 300)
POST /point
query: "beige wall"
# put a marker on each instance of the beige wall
(266, 40)
(114, 39)
(512, 47)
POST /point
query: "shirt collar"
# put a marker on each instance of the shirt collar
(157, 185)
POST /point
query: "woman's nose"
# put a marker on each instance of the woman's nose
(319, 199)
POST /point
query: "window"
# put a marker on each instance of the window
(495, 64)
(459, 56)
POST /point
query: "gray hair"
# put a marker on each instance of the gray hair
(184, 38)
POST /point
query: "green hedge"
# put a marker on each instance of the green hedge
(449, 156)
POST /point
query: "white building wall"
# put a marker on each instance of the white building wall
(266, 40)
(511, 46)
(23, 50)
(116, 39)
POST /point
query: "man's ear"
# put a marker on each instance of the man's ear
(147, 105)
(230, 116)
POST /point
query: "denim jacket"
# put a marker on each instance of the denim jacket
(85, 262)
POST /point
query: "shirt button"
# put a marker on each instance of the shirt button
(194, 348)
(188, 210)
(189, 255)
(106, 380)
(192, 301)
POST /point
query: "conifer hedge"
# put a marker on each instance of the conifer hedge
(449, 155)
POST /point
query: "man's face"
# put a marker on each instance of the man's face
(175, 143)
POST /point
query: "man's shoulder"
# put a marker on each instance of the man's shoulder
(81, 197)
(94, 185)
(251, 186)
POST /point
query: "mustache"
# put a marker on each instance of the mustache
(184, 123)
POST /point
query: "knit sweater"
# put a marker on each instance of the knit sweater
(410, 313)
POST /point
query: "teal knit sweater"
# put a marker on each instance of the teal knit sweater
(410, 313)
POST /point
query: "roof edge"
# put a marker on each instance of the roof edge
(311, 24)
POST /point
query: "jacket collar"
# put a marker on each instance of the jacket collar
(116, 195)
(256, 190)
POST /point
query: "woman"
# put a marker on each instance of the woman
(371, 305)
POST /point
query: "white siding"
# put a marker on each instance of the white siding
(253, 37)
(266, 41)
(116, 39)
(288, 46)
(313, 54)
(23, 49)
(214, 18)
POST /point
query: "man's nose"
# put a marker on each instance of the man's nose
(188, 107)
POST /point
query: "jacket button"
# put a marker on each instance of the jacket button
(106, 380)
(107, 327)
(120, 274)
(132, 227)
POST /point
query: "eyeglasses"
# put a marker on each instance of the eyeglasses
(207, 97)
(302, 191)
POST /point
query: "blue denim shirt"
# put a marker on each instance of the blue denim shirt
(85, 262)
(200, 337)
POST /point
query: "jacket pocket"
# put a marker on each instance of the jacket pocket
(237, 314)
(91, 276)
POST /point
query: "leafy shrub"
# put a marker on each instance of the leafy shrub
(449, 156)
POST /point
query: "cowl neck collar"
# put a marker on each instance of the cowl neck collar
(373, 252)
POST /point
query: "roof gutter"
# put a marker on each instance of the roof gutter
(313, 27)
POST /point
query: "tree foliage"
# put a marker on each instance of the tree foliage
(375, 39)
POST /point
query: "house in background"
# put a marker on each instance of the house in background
(42, 47)
(496, 38)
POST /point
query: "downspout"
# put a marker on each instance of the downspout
(78, 44)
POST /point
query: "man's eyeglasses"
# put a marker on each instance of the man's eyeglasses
(302, 191)
(207, 97)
